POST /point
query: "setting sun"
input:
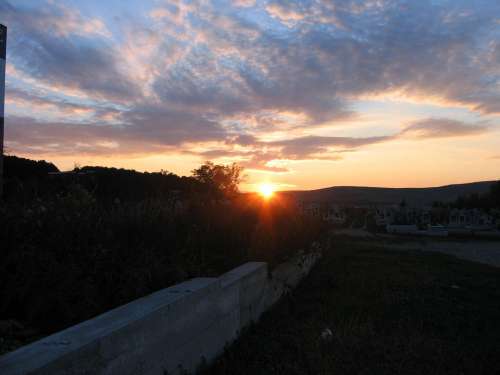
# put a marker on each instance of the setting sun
(266, 190)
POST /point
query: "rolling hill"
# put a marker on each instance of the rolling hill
(361, 195)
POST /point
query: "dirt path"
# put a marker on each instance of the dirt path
(482, 251)
(487, 252)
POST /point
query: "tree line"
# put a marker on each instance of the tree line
(77, 244)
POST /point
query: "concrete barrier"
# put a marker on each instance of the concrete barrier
(174, 330)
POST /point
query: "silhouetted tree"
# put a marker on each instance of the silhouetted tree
(79, 243)
(21, 168)
(403, 203)
(25, 180)
(488, 200)
(220, 178)
(495, 194)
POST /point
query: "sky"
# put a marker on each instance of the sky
(302, 94)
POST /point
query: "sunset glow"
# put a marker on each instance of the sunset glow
(266, 190)
(229, 150)
(309, 94)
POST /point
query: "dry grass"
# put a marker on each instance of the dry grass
(389, 313)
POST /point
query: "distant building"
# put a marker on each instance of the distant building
(496, 217)
(335, 215)
(471, 218)
(385, 215)
(312, 209)
(425, 217)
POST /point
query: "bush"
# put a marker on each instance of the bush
(70, 257)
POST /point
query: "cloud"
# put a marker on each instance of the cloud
(49, 44)
(244, 3)
(41, 102)
(25, 135)
(188, 73)
(284, 13)
(150, 131)
(315, 146)
(143, 136)
(420, 49)
(259, 155)
(89, 69)
(442, 128)
(262, 162)
(54, 17)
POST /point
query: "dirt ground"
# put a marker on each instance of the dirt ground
(487, 252)
(476, 250)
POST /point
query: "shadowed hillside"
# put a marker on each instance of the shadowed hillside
(374, 195)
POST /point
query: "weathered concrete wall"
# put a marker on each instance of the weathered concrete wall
(174, 329)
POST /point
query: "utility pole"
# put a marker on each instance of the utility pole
(3, 50)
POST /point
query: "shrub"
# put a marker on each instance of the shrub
(72, 256)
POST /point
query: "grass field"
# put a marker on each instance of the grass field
(389, 312)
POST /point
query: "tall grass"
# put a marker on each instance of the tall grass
(69, 257)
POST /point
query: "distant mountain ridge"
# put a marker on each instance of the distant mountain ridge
(361, 195)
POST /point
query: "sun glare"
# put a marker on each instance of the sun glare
(266, 190)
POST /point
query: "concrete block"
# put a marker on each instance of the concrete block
(88, 347)
(172, 330)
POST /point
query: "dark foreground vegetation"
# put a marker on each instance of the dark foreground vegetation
(77, 244)
(387, 312)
